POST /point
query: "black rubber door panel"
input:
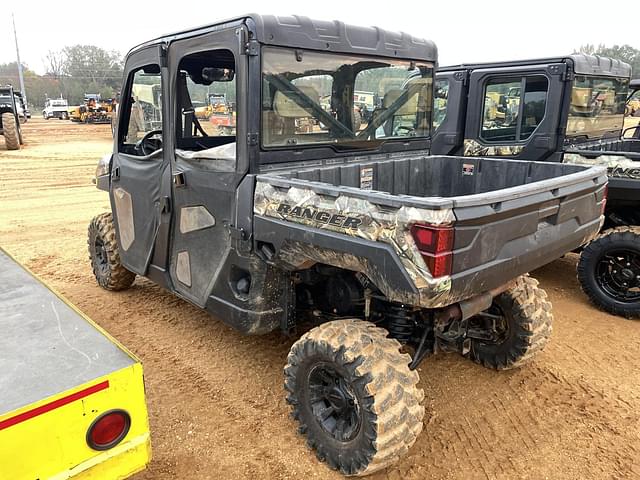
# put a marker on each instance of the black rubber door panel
(139, 176)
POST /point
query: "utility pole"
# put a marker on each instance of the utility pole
(15, 34)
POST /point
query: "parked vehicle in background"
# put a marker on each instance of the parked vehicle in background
(93, 110)
(11, 116)
(366, 103)
(74, 113)
(73, 401)
(350, 225)
(56, 108)
(568, 110)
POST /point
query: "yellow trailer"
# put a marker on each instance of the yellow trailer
(72, 402)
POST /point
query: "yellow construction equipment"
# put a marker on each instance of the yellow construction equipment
(73, 401)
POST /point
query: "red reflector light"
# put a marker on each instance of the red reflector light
(435, 243)
(440, 265)
(108, 430)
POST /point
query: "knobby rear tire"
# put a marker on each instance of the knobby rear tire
(385, 393)
(529, 325)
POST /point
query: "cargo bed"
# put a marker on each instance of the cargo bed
(510, 216)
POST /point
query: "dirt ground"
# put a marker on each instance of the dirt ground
(216, 401)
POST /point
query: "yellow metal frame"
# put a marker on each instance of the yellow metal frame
(47, 439)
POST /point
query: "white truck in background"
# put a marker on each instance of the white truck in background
(56, 108)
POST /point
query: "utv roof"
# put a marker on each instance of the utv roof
(331, 36)
(582, 65)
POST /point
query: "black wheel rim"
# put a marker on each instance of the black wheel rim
(618, 274)
(101, 259)
(334, 403)
(490, 326)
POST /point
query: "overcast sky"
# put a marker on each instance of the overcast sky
(465, 31)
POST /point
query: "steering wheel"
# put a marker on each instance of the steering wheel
(145, 146)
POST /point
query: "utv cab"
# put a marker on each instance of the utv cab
(307, 211)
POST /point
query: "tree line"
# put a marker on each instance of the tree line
(626, 53)
(70, 73)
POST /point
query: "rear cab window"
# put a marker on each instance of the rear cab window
(314, 98)
(597, 106)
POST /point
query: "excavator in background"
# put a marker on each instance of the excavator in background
(220, 114)
(93, 110)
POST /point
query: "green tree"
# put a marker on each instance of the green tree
(626, 53)
(82, 69)
(94, 64)
(38, 87)
(71, 72)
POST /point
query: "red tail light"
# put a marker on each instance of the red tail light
(436, 247)
(108, 430)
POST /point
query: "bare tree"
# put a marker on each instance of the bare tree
(55, 63)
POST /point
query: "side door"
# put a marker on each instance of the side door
(449, 112)
(207, 163)
(515, 112)
(139, 167)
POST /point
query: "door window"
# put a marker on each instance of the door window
(206, 124)
(142, 114)
(513, 108)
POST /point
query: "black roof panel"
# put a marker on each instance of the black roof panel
(332, 36)
(582, 65)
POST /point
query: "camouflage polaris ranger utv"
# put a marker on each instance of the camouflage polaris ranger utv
(301, 214)
(12, 109)
(567, 109)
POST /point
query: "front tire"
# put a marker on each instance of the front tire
(354, 396)
(104, 255)
(522, 321)
(609, 271)
(11, 131)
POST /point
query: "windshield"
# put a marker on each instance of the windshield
(348, 101)
(597, 106)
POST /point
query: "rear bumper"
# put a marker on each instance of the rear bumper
(119, 462)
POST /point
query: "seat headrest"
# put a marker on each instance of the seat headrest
(286, 107)
(410, 106)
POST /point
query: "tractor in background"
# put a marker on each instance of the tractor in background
(12, 114)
